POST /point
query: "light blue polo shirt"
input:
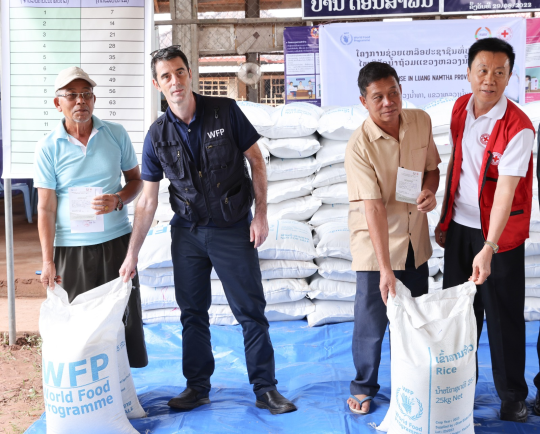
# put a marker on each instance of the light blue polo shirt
(60, 164)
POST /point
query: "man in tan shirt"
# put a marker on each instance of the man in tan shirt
(389, 239)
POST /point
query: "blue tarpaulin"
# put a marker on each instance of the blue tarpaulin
(314, 368)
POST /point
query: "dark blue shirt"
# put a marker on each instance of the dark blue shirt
(244, 135)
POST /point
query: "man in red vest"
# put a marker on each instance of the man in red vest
(486, 212)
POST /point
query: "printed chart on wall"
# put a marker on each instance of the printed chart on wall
(532, 61)
(109, 39)
(302, 72)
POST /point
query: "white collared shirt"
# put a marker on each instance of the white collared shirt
(79, 143)
(513, 162)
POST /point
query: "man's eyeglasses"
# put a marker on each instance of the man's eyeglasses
(164, 50)
(74, 95)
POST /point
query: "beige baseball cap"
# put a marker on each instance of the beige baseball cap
(67, 75)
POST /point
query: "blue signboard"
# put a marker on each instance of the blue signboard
(488, 6)
(325, 9)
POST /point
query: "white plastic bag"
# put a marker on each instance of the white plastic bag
(289, 240)
(433, 370)
(278, 191)
(334, 240)
(330, 312)
(532, 244)
(279, 168)
(301, 208)
(297, 147)
(81, 382)
(219, 314)
(532, 266)
(157, 297)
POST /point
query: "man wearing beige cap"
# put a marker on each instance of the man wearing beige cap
(83, 249)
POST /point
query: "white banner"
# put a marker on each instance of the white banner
(430, 57)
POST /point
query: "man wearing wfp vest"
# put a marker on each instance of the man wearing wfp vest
(200, 143)
(486, 212)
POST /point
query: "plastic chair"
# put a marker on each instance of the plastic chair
(26, 195)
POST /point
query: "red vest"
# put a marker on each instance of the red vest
(514, 120)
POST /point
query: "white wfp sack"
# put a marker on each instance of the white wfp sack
(326, 289)
(440, 112)
(438, 251)
(334, 241)
(532, 266)
(278, 191)
(331, 152)
(301, 208)
(298, 119)
(164, 213)
(278, 269)
(258, 114)
(341, 122)
(532, 309)
(333, 174)
(157, 297)
(535, 216)
(156, 249)
(275, 291)
(157, 277)
(291, 311)
(295, 147)
(331, 312)
(81, 382)
(336, 269)
(218, 315)
(532, 244)
(279, 169)
(433, 218)
(433, 368)
(132, 407)
(434, 266)
(263, 147)
(289, 240)
(330, 213)
(332, 194)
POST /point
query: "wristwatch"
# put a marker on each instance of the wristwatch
(120, 203)
(494, 246)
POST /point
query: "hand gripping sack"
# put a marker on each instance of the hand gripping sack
(81, 382)
(433, 369)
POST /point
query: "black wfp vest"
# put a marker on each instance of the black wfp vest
(222, 190)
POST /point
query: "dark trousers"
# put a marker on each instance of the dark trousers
(87, 267)
(370, 321)
(237, 264)
(501, 297)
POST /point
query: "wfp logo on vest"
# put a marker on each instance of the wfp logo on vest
(346, 38)
(215, 133)
(408, 404)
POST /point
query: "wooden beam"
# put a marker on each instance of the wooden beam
(156, 7)
(234, 5)
(229, 21)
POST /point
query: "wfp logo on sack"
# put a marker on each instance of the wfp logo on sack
(346, 38)
(408, 404)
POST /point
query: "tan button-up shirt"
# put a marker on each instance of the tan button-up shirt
(372, 159)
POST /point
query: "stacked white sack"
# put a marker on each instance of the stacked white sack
(333, 288)
(286, 262)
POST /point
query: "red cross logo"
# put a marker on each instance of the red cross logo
(505, 34)
(484, 139)
(496, 159)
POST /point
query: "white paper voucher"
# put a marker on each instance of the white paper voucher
(81, 215)
(408, 185)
